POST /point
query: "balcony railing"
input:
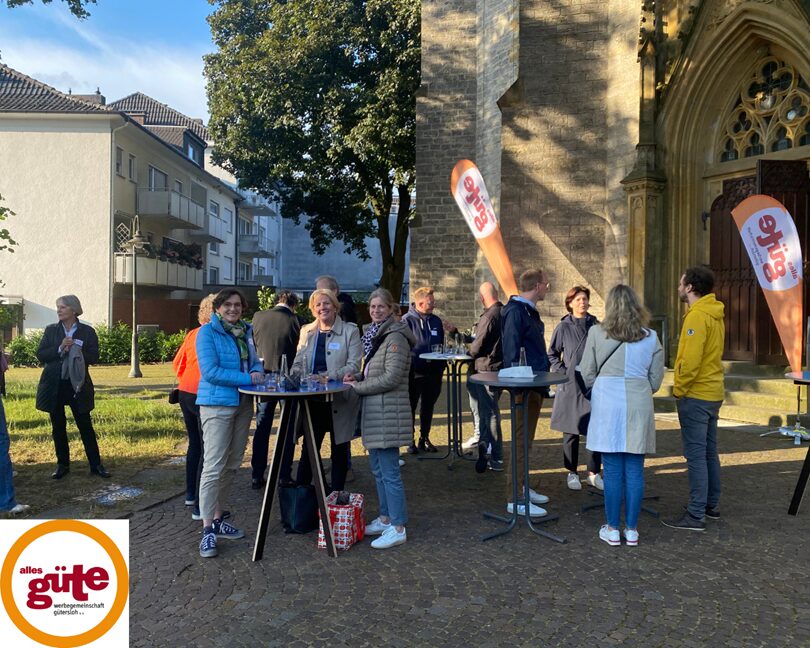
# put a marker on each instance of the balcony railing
(181, 211)
(253, 246)
(154, 272)
(213, 232)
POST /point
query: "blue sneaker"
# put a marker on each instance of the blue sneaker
(223, 529)
(208, 544)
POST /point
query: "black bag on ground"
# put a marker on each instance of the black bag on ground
(299, 508)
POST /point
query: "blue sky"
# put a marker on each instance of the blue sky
(151, 46)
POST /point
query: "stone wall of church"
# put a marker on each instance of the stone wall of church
(552, 155)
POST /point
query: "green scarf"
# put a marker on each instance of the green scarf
(238, 331)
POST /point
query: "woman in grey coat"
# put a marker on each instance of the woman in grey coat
(572, 411)
(386, 413)
(623, 361)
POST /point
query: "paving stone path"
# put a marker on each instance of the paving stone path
(744, 582)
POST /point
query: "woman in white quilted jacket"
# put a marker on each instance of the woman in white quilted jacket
(386, 413)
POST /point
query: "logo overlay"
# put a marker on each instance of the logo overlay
(65, 583)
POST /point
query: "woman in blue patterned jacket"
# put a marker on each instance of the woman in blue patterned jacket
(227, 359)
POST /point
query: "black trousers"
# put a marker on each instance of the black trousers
(83, 422)
(425, 388)
(194, 454)
(571, 455)
(265, 411)
(322, 423)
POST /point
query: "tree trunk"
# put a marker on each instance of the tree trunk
(393, 256)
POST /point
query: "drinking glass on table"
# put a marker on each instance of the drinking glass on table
(323, 377)
(436, 348)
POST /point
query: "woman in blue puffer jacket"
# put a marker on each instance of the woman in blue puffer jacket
(228, 360)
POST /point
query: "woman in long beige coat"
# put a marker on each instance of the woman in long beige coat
(386, 413)
(333, 346)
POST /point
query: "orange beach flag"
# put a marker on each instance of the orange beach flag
(467, 187)
(769, 234)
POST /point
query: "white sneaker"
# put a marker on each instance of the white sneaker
(470, 444)
(631, 537)
(537, 498)
(401, 462)
(611, 536)
(573, 481)
(19, 508)
(376, 527)
(596, 481)
(534, 511)
(390, 538)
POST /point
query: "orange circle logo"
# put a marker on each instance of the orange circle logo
(116, 609)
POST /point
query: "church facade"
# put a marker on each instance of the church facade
(615, 137)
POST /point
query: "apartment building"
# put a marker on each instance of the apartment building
(77, 172)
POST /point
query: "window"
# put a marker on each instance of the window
(194, 153)
(132, 171)
(228, 217)
(245, 272)
(178, 187)
(213, 275)
(771, 113)
(244, 227)
(213, 209)
(213, 248)
(119, 161)
(226, 268)
(158, 181)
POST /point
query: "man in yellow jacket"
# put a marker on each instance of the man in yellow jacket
(700, 391)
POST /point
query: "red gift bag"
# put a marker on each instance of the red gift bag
(347, 513)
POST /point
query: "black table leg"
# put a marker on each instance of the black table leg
(458, 415)
(424, 457)
(800, 486)
(317, 470)
(283, 437)
(512, 520)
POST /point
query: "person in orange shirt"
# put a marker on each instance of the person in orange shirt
(188, 378)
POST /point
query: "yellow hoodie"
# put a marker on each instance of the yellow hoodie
(698, 371)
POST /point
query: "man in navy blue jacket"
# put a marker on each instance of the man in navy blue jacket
(522, 328)
(425, 380)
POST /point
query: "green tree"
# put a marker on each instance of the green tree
(313, 102)
(77, 7)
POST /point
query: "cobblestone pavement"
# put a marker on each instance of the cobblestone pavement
(744, 582)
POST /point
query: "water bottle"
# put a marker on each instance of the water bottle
(522, 361)
(283, 373)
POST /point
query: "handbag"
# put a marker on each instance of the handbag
(299, 508)
(587, 391)
(347, 513)
(174, 396)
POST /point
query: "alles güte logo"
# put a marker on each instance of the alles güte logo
(65, 583)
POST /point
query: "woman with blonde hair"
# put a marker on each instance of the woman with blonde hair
(187, 370)
(623, 363)
(329, 346)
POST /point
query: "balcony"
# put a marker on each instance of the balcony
(175, 209)
(154, 272)
(213, 232)
(256, 204)
(253, 246)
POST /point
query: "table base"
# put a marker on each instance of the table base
(530, 522)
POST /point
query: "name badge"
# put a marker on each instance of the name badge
(434, 332)
(333, 346)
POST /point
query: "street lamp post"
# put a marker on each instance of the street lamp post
(136, 244)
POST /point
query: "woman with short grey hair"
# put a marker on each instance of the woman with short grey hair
(67, 349)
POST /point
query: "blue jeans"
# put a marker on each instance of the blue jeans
(698, 420)
(390, 489)
(624, 480)
(486, 418)
(7, 501)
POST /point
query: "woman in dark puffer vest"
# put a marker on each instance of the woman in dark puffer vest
(386, 415)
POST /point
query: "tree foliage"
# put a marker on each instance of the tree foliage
(77, 7)
(313, 102)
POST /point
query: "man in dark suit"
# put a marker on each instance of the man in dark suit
(275, 333)
(348, 312)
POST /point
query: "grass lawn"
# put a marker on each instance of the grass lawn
(136, 427)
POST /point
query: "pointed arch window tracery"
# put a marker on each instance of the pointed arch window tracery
(770, 113)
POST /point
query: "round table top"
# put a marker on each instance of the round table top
(447, 357)
(802, 377)
(541, 379)
(332, 387)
